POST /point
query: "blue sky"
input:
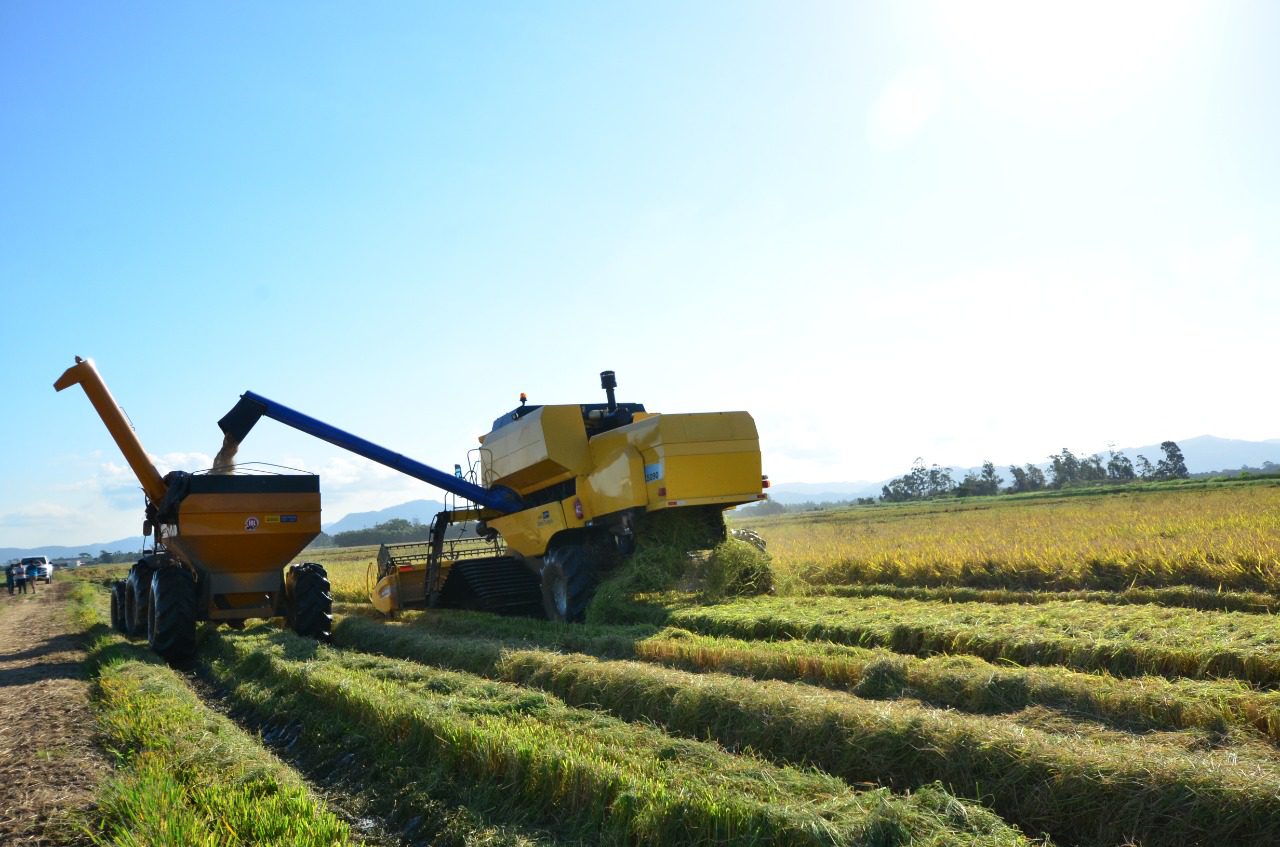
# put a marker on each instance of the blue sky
(957, 231)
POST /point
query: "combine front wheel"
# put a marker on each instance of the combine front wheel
(568, 579)
(171, 615)
(310, 609)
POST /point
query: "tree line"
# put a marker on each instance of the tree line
(1065, 470)
(394, 531)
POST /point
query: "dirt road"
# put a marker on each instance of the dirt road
(49, 763)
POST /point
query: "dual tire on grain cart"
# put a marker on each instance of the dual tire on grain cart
(137, 597)
(171, 614)
(118, 605)
(309, 601)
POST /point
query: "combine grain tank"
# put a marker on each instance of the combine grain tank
(221, 541)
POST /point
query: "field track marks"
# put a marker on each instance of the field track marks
(375, 791)
(50, 764)
(279, 737)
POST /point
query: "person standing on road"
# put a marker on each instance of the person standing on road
(20, 577)
(33, 573)
(8, 572)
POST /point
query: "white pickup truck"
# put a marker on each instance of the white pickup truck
(44, 569)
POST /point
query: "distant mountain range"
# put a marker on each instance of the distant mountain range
(56, 552)
(415, 510)
(1203, 454)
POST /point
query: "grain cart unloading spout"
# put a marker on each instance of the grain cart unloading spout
(236, 424)
(86, 376)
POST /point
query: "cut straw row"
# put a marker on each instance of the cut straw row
(967, 683)
(525, 755)
(1079, 790)
(185, 774)
(1123, 640)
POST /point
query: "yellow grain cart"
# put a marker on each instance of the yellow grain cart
(221, 541)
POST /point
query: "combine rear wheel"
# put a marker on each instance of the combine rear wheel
(118, 606)
(310, 609)
(568, 581)
(171, 618)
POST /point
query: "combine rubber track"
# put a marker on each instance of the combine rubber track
(501, 585)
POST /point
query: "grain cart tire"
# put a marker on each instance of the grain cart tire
(171, 622)
(568, 582)
(138, 598)
(310, 609)
(118, 605)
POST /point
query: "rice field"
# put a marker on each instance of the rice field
(1092, 671)
(1220, 538)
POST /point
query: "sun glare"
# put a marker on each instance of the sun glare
(1067, 61)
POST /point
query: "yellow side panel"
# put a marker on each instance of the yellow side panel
(384, 596)
(547, 445)
(528, 532)
(245, 533)
(617, 481)
(702, 458)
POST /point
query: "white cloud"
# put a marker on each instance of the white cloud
(40, 514)
(903, 108)
(193, 461)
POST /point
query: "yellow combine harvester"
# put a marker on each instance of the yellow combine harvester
(561, 492)
(220, 543)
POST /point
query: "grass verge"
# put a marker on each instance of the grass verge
(185, 774)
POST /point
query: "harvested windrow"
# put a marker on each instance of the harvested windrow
(526, 755)
(962, 682)
(1079, 792)
(1123, 640)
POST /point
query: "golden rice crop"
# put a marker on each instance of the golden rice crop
(348, 569)
(1224, 537)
